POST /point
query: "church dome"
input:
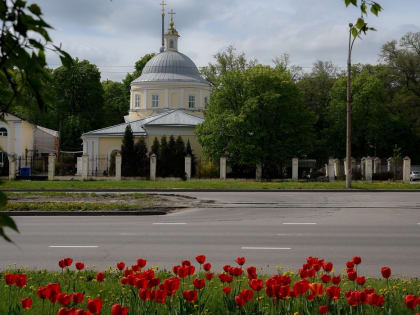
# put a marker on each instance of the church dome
(170, 66)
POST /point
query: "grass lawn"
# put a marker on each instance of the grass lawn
(146, 292)
(201, 184)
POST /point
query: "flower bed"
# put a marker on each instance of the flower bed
(193, 288)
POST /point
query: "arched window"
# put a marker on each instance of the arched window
(137, 104)
(171, 44)
(3, 132)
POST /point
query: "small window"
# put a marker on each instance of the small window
(191, 101)
(3, 132)
(155, 100)
(171, 44)
(206, 101)
(137, 100)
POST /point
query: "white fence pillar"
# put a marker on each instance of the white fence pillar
(295, 169)
(377, 166)
(389, 163)
(51, 166)
(368, 169)
(85, 166)
(363, 167)
(188, 167)
(223, 168)
(12, 167)
(153, 160)
(118, 164)
(331, 170)
(406, 169)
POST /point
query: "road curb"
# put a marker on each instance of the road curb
(172, 190)
(147, 212)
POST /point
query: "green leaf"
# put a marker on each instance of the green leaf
(347, 2)
(354, 2)
(35, 9)
(354, 32)
(375, 8)
(363, 8)
(360, 23)
(6, 221)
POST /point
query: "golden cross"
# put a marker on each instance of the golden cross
(163, 3)
(172, 13)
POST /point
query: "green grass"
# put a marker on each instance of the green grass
(69, 206)
(211, 299)
(201, 184)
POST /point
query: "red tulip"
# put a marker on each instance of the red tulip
(159, 296)
(120, 265)
(325, 278)
(43, 292)
(199, 283)
(10, 278)
(62, 263)
(172, 285)
(185, 263)
(240, 261)
(190, 296)
(141, 262)
(301, 287)
(410, 301)
(207, 266)
(80, 266)
(209, 276)
(361, 280)
(77, 297)
(240, 300)
(317, 288)
(64, 299)
(352, 275)
(227, 290)
(100, 277)
(201, 259)
(333, 292)
(327, 266)
(226, 268)
(94, 305)
(310, 297)
(62, 311)
(21, 280)
(191, 270)
(256, 284)
(68, 261)
(247, 294)
(119, 310)
(144, 294)
(252, 272)
(357, 260)
(323, 309)
(386, 272)
(26, 303)
(336, 280)
(350, 264)
(182, 271)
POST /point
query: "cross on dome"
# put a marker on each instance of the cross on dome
(163, 3)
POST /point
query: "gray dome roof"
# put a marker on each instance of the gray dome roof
(170, 66)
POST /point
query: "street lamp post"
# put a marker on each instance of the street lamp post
(348, 128)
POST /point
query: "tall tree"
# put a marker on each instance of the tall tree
(163, 158)
(141, 158)
(180, 157)
(172, 159)
(115, 103)
(79, 95)
(128, 167)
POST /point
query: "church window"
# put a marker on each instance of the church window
(137, 100)
(191, 101)
(155, 100)
(171, 44)
(3, 132)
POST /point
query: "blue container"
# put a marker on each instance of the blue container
(25, 171)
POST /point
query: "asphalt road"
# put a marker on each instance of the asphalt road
(268, 228)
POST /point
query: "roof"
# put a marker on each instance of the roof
(49, 131)
(170, 66)
(173, 118)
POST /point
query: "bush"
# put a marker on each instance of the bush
(208, 169)
(383, 176)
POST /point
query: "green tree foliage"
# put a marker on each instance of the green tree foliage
(179, 157)
(361, 26)
(79, 97)
(141, 158)
(130, 77)
(155, 149)
(256, 116)
(128, 167)
(163, 158)
(115, 103)
(172, 157)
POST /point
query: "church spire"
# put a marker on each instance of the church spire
(162, 48)
(172, 35)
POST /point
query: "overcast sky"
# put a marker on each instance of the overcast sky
(115, 34)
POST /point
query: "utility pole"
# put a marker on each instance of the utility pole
(348, 128)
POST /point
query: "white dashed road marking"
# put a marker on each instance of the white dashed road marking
(73, 246)
(298, 223)
(266, 248)
(169, 223)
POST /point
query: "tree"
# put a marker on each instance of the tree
(256, 116)
(155, 147)
(172, 159)
(130, 77)
(141, 158)
(23, 40)
(79, 95)
(115, 103)
(180, 157)
(163, 157)
(128, 167)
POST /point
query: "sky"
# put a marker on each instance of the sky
(114, 34)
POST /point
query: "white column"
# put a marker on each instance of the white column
(181, 98)
(18, 139)
(153, 167)
(389, 164)
(377, 166)
(337, 168)
(12, 167)
(118, 163)
(406, 169)
(295, 168)
(85, 166)
(331, 170)
(188, 167)
(368, 169)
(223, 168)
(51, 166)
(258, 172)
(166, 98)
(145, 99)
